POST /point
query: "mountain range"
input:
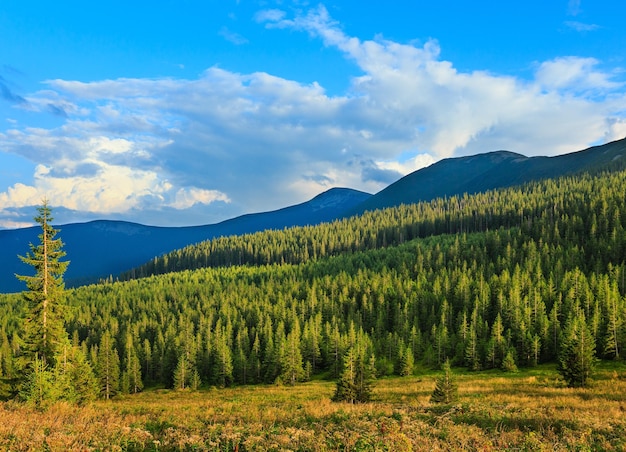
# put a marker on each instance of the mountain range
(103, 248)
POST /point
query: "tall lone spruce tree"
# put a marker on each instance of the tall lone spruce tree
(52, 368)
(44, 327)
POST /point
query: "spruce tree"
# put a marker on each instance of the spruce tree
(131, 376)
(407, 362)
(52, 367)
(183, 373)
(108, 367)
(577, 353)
(355, 384)
(291, 370)
(508, 363)
(222, 362)
(44, 324)
(38, 389)
(74, 379)
(346, 390)
(446, 390)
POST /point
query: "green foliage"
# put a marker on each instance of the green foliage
(508, 363)
(132, 381)
(407, 362)
(108, 367)
(49, 367)
(291, 369)
(186, 375)
(38, 390)
(43, 323)
(355, 383)
(74, 376)
(446, 390)
(465, 278)
(577, 356)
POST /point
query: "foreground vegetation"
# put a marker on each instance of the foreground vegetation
(531, 410)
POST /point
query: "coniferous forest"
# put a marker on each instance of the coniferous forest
(509, 277)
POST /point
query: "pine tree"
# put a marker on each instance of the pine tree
(131, 377)
(355, 384)
(222, 361)
(346, 390)
(614, 323)
(38, 389)
(407, 362)
(74, 379)
(183, 373)
(108, 367)
(577, 354)
(291, 370)
(44, 323)
(508, 363)
(446, 390)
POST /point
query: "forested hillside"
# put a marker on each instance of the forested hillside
(504, 275)
(578, 205)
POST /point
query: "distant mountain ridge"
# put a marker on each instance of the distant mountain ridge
(482, 172)
(101, 248)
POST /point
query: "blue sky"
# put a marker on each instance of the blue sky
(191, 112)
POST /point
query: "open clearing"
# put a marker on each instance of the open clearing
(530, 410)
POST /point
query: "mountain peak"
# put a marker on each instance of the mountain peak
(490, 170)
(337, 197)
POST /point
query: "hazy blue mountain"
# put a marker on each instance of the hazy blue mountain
(477, 173)
(101, 248)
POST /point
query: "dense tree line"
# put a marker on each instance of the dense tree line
(580, 206)
(543, 268)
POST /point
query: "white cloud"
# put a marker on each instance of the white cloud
(113, 189)
(408, 166)
(79, 174)
(580, 26)
(259, 141)
(430, 105)
(271, 15)
(574, 73)
(232, 37)
(12, 224)
(186, 198)
(20, 195)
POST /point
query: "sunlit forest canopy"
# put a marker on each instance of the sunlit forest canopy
(473, 279)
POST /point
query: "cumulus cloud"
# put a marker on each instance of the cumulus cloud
(186, 198)
(412, 95)
(235, 143)
(574, 73)
(82, 173)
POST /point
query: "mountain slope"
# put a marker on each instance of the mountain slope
(101, 248)
(477, 173)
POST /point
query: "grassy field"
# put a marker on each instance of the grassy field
(530, 410)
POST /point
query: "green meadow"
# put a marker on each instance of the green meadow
(529, 410)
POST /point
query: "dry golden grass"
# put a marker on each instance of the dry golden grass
(527, 411)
